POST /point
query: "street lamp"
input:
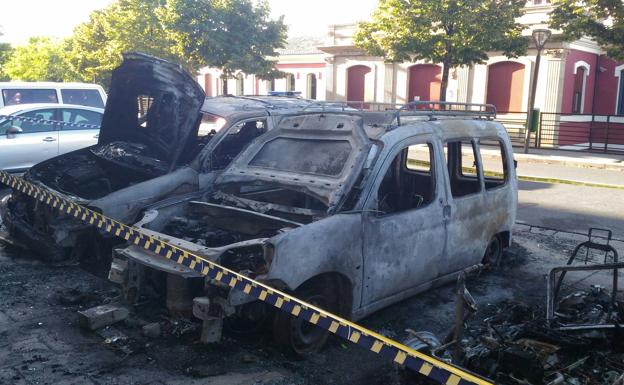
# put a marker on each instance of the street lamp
(540, 37)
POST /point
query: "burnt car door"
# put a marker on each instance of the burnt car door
(469, 216)
(404, 228)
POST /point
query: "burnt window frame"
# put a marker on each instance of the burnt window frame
(458, 171)
(505, 160)
(209, 163)
(388, 163)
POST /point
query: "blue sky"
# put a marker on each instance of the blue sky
(21, 19)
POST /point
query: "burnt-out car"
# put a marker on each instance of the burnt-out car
(160, 138)
(347, 216)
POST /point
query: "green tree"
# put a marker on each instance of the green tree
(5, 54)
(41, 59)
(451, 32)
(602, 20)
(229, 34)
(126, 25)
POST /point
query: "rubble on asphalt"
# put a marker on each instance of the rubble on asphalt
(511, 344)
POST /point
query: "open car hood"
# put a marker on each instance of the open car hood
(168, 100)
(319, 154)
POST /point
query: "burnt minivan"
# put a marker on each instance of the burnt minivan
(344, 215)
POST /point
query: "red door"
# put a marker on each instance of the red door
(505, 86)
(424, 82)
(356, 85)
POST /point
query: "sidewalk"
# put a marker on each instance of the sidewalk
(581, 159)
(582, 167)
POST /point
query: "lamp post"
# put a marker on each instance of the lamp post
(540, 37)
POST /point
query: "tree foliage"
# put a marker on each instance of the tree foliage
(602, 20)
(451, 32)
(229, 34)
(126, 25)
(41, 59)
(5, 54)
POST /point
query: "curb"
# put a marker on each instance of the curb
(538, 179)
(555, 231)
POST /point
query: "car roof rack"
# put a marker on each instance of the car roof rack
(255, 99)
(434, 109)
(324, 105)
(343, 106)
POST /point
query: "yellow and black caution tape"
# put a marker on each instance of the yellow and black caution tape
(428, 366)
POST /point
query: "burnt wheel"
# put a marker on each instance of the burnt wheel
(494, 252)
(297, 335)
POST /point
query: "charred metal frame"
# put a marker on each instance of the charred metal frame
(552, 291)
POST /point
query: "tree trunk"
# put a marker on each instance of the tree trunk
(444, 83)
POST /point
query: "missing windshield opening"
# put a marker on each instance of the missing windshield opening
(318, 156)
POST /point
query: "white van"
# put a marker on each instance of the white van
(84, 94)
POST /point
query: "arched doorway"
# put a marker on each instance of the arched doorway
(424, 82)
(578, 101)
(505, 86)
(356, 84)
(311, 86)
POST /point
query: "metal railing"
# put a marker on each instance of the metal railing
(515, 123)
(567, 132)
(575, 132)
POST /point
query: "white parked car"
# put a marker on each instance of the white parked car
(83, 94)
(25, 143)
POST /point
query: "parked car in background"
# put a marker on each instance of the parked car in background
(24, 143)
(83, 94)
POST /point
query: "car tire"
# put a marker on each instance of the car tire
(493, 252)
(298, 336)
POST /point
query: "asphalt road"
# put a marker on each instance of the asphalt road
(571, 208)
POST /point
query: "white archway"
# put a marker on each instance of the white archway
(586, 68)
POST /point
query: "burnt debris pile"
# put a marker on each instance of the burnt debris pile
(591, 307)
(513, 345)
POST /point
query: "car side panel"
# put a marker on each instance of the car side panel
(22, 151)
(71, 140)
(331, 245)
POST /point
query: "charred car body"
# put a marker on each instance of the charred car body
(160, 137)
(348, 216)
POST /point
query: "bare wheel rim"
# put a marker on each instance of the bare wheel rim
(493, 251)
(305, 336)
